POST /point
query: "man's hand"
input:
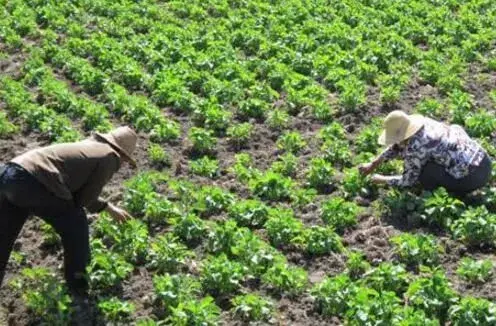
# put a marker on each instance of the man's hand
(379, 179)
(118, 214)
(366, 168)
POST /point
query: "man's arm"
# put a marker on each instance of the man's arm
(88, 195)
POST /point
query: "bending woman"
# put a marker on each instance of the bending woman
(435, 155)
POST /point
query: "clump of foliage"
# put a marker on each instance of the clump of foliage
(44, 295)
(171, 290)
(243, 168)
(168, 254)
(272, 186)
(475, 271)
(202, 141)
(158, 156)
(440, 208)
(107, 269)
(321, 240)
(250, 213)
(333, 294)
(252, 308)
(416, 249)
(284, 278)
(475, 227)
(286, 165)
(189, 228)
(291, 142)
(356, 265)
(205, 167)
(282, 227)
(473, 311)
(221, 276)
(387, 277)
(115, 310)
(432, 293)
(320, 174)
(212, 200)
(195, 312)
(6, 128)
(240, 134)
(339, 213)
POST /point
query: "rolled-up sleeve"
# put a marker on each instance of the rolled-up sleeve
(89, 195)
(413, 163)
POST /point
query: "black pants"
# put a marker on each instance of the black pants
(434, 175)
(21, 195)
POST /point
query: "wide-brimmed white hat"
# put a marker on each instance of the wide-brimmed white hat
(123, 139)
(399, 126)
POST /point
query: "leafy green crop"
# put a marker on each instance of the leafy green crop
(168, 254)
(475, 271)
(339, 213)
(475, 227)
(473, 311)
(252, 307)
(287, 279)
(416, 249)
(221, 276)
(115, 310)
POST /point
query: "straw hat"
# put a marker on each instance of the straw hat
(399, 126)
(123, 139)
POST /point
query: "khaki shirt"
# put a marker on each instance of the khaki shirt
(74, 171)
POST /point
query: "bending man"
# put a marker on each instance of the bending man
(57, 183)
(434, 154)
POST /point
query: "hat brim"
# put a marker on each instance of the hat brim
(417, 121)
(108, 139)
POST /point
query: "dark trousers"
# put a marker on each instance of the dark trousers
(21, 195)
(434, 176)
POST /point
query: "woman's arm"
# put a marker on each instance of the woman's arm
(389, 153)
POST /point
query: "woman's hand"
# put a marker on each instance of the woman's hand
(366, 168)
(118, 214)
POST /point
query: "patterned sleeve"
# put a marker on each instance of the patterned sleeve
(415, 159)
(390, 153)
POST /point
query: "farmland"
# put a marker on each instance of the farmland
(252, 117)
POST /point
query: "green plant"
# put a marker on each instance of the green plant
(430, 107)
(252, 308)
(272, 186)
(481, 123)
(140, 189)
(50, 236)
(356, 265)
(475, 271)
(336, 151)
(320, 174)
(205, 167)
(286, 165)
(277, 119)
(212, 200)
(44, 295)
(165, 130)
(243, 168)
(401, 204)
(432, 293)
(373, 308)
(282, 227)
(291, 142)
(115, 310)
(333, 294)
(441, 209)
(168, 254)
(354, 184)
(333, 131)
(240, 134)
(473, 311)
(285, 278)
(322, 240)
(366, 140)
(195, 312)
(202, 140)
(158, 156)
(250, 213)
(221, 276)
(387, 277)
(339, 213)
(171, 290)
(189, 228)
(6, 128)
(416, 249)
(224, 236)
(107, 269)
(475, 227)
(160, 210)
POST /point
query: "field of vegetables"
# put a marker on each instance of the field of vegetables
(253, 116)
